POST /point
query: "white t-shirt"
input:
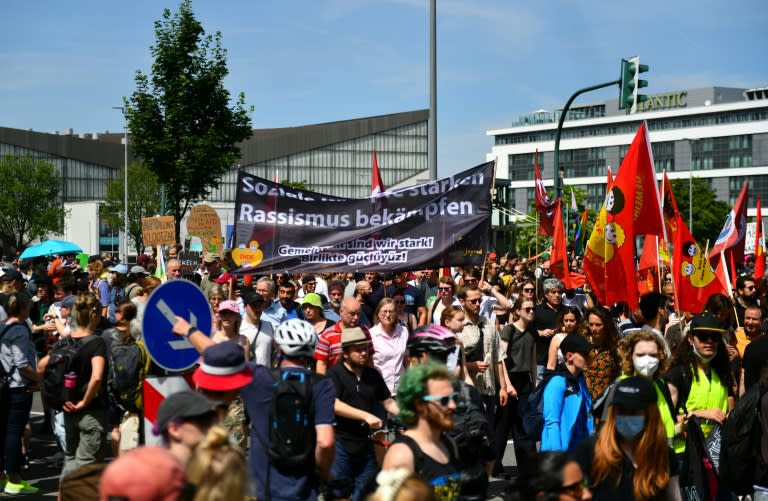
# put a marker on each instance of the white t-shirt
(260, 337)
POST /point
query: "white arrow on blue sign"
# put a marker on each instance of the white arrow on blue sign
(180, 298)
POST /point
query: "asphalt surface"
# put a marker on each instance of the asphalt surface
(45, 462)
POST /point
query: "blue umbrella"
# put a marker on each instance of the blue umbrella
(50, 248)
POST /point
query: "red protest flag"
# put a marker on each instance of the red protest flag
(759, 251)
(631, 208)
(695, 279)
(377, 186)
(731, 238)
(558, 259)
(544, 206)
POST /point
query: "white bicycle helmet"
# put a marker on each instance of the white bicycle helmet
(297, 338)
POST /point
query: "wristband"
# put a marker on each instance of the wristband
(191, 330)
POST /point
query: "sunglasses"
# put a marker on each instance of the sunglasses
(443, 400)
(750, 287)
(528, 289)
(470, 280)
(527, 310)
(444, 289)
(400, 302)
(706, 337)
(475, 301)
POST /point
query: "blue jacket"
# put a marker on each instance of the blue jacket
(567, 412)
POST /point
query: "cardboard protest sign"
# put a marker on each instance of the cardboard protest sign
(204, 223)
(158, 230)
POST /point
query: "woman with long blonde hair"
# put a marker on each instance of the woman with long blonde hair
(630, 457)
(217, 469)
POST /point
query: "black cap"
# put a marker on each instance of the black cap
(576, 343)
(707, 322)
(635, 392)
(251, 297)
(184, 404)
(11, 275)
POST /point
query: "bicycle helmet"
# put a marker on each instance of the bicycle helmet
(296, 338)
(433, 339)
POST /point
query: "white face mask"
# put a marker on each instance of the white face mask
(646, 365)
(701, 357)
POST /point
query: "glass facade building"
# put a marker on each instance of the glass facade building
(716, 133)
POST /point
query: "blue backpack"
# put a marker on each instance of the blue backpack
(532, 410)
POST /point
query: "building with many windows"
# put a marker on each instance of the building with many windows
(332, 158)
(716, 133)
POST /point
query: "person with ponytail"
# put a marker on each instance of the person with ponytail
(630, 457)
(217, 469)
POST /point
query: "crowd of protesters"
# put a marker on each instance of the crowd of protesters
(446, 364)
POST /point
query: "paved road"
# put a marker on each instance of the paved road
(45, 468)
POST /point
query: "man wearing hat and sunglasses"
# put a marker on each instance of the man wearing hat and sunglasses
(359, 390)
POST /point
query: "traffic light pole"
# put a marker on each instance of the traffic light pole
(558, 187)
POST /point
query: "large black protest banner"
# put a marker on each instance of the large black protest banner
(431, 225)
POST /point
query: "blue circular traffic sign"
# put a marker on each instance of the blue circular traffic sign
(180, 298)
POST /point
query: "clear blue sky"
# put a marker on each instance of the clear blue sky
(65, 64)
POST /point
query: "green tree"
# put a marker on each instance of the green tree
(143, 201)
(30, 201)
(709, 213)
(301, 185)
(180, 118)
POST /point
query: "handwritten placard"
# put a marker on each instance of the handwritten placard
(158, 230)
(205, 223)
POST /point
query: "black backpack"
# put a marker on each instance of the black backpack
(126, 372)
(740, 448)
(291, 421)
(532, 409)
(60, 359)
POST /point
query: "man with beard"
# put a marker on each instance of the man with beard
(286, 292)
(273, 312)
(756, 352)
(427, 400)
(653, 306)
(362, 292)
(746, 295)
(335, 295)
(359, 390)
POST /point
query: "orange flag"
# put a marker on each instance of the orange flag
(558, 259)
(648, 274)
(759, 254)
(631, 208)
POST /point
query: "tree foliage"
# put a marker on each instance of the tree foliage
(709, 213)
(143, 201)
(31, 204)
(180, 118)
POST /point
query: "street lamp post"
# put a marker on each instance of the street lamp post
(125, 186)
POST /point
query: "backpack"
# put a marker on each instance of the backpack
(60, 359)
(532, 410)
(5, 376)
(291, 424)
(127, 369)
(740, 448)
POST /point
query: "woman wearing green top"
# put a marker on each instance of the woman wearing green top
(700, 380)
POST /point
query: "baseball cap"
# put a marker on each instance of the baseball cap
(251, 297)
(183, 404)
(67, 301)
(707, 321)
(313, 299)
(139, 270)
(223, 368)
(119, 268)
(143, 474)
(210, 257)
(575, 343)
(635, 392)
(224, 278)
(353, 335)
(229, 305)
(11, 275)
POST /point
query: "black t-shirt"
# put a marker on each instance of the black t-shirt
(755, 358)
(609, 489)
(363, 394)
(544, 318)
(81, 364)
(519, 348)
